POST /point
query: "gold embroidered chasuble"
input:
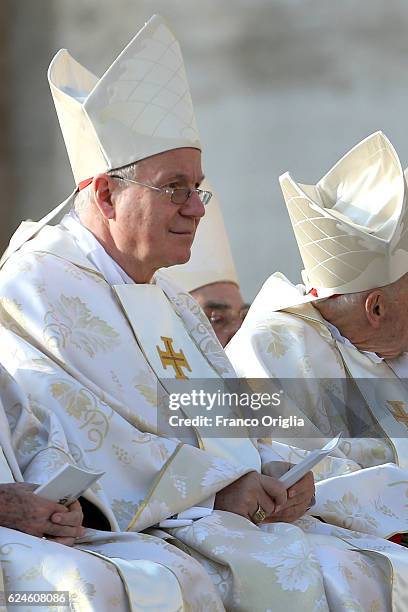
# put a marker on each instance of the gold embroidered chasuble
(104, 570)
(74, 349)
(285, 337)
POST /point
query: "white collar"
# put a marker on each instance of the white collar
(95, 252)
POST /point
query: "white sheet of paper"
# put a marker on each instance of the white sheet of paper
(67, 484)
(300, 469)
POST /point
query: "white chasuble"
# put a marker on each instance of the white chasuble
(104, 571)
(363, 485)
(93, 387)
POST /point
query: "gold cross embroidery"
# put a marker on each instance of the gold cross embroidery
(170, 358)
(398, 412)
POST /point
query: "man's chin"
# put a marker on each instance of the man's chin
(180, 258)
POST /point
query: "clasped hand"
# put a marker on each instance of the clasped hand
(243, 496)
(22, 510)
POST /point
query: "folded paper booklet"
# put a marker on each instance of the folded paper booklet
(67, 484)
(300, 469)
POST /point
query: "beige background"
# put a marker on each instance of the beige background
(277, 85)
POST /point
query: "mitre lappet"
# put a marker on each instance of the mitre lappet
(351, 227)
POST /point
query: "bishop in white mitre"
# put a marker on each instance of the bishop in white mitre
(103, 571)
(94, 334)
(340, 327)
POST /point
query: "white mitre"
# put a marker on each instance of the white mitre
(351, 227)
(211, 258)
(141, 106)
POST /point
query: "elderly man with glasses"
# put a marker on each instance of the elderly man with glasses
(95, 334)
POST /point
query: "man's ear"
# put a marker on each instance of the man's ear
(375, 305)
(103, 186)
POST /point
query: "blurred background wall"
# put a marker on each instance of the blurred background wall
(277, 85)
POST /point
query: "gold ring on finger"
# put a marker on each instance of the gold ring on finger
(259, 515)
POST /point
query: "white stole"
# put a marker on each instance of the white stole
(387, 402)
(153, 319)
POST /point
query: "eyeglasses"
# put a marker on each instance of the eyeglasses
(226, 318)
(178, 195)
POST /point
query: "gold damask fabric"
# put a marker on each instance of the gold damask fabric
(91, 390)
(103, 571)
(116, 575)
(363, 486)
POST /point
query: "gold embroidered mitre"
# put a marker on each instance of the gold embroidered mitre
(141, 106)
(351, 227)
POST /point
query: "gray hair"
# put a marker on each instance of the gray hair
(340, 307)
(349, 305)
(83, 197)
(345, 301)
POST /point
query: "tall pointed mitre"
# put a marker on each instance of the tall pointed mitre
(351, 227)
(141, 106)
(211, 258)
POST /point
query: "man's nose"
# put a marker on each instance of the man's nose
(193, 207)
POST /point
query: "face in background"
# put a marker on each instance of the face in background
(141, 228)
(224, 307)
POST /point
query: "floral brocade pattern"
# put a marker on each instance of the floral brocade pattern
(83, 366)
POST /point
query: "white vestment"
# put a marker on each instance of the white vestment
(89, 353)
(104, 571)
(285, 337)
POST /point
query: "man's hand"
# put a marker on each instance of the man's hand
(69, 523)
(300, 496)
(245, 494)
(22, 510)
